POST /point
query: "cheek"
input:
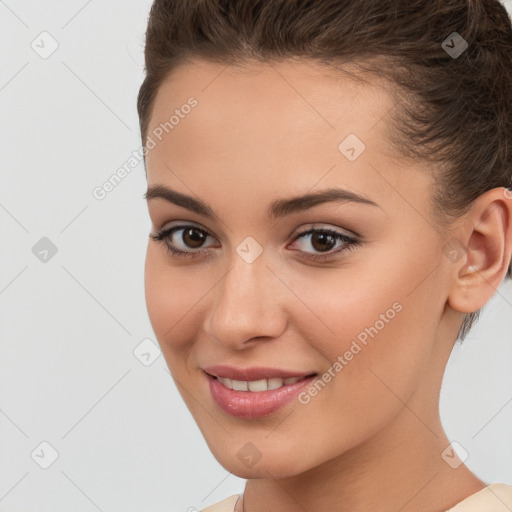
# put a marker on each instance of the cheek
(170, 294)
(339, 306)
(372, 331)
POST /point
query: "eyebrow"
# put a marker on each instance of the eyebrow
(278, 208)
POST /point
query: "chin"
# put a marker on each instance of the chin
(275, 464)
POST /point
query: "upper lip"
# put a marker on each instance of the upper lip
(253, 373)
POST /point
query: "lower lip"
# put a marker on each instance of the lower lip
(251, 405)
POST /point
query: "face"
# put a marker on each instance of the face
(349, 286)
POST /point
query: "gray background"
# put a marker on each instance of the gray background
(70, 324)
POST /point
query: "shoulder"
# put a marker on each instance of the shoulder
(226, 505)
(493, 498)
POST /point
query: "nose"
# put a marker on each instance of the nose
(247, 305)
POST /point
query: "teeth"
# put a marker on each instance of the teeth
(258, 385)
(291, 380)
(274, 383)
(239, 385)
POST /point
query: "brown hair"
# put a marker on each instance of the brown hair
(452, 110)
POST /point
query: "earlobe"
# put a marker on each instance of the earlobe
(487, 239)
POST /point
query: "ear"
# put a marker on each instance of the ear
(484, 246)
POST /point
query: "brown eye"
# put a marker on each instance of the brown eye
(322, 244)
(193, 237)
(322, 241)
(182, 240)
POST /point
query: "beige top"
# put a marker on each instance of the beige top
(493, 498)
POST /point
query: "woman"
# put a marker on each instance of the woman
(327, 186)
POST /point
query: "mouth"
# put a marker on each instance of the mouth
(256, 398)
(259, 385)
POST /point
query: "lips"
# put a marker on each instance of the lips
(253, 393)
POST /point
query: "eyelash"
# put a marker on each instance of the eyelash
(164, 235)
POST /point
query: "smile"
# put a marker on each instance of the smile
(252, 399)
(256, 386)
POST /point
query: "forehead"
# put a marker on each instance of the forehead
(304, 97)
(271, 126)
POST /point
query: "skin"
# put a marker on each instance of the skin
(372, 438)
